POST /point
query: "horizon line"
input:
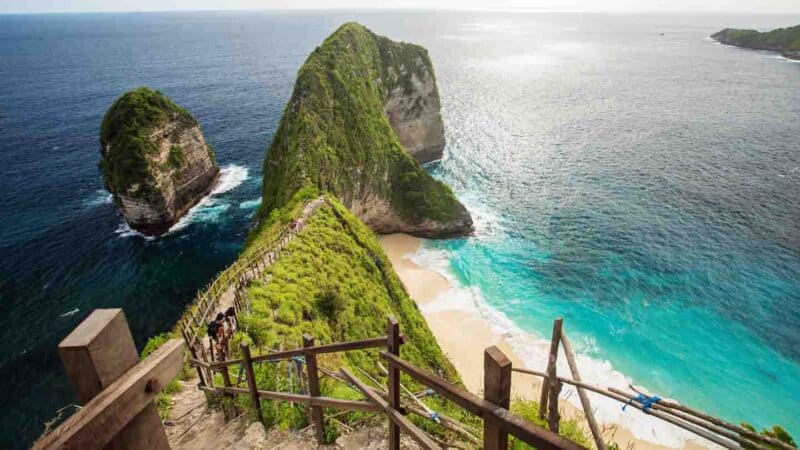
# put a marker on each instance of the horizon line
(420, 9)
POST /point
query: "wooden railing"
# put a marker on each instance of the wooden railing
(499, 422)
(250, 266)
(116, 389)
(493, 408)
(713, 429)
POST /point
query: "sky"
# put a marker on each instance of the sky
(696, 6)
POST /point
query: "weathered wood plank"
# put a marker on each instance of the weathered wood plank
(496, 390)
(511, 423)
(394, 415)
(104, 416)
(587, 405)
(97, 353)
(313, 389)
(319, 349)
(325, 402)
(251, 380)
(553, 385)
(393, 376)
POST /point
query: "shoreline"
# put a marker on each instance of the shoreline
(463, 344)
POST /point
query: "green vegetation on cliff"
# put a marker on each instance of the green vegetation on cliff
(334, 282)
(335, 136)
(125, 141)
(781, 39)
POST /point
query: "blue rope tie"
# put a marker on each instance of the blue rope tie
(298, 359)
(435, 416)
(646, 401)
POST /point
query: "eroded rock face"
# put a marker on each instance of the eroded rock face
(363, 113)
(413, 107)
(155, 162)
(379, 215)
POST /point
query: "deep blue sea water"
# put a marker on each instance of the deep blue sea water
(645, 187)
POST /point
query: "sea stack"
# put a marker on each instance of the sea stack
(155, 160)
(364, 112)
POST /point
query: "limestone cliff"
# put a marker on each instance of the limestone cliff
(336, 135)
(411, 98)
(783, 40)
(155, 160)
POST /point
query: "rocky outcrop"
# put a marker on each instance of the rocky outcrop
(356, 98)
(783, 40)
(155, 160)
(411, 98)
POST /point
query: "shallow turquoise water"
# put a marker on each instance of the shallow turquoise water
(643, 187)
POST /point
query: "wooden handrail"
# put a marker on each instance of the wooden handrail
(326, 348)
(96, 424)
(325, 402)
(511, 423)
(394, 415)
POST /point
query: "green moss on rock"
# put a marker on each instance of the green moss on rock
(125, 142)
(335, 135)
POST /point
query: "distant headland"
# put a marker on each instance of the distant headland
(783, 40)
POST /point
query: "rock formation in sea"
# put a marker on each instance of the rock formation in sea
(155, 160)
(783, 40)
(336, 135)
(363, 108)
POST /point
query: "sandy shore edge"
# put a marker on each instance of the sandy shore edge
(463, 336)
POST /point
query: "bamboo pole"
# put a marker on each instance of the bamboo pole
(587, 406)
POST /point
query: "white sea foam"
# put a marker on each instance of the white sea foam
(125, 231)
(487, 222)
(230, 177)
(796, 61)
(250, 204)
(209, 210)
(100, 197)
(534, 349)
(69, 313)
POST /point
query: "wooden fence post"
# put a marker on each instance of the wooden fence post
(194, 356)
(95, 354)
(226, 379)
(497, 390)
(251, 380)
(313, 389)
(551, 387)
(204, 358)
(587, 406)
(393, 347)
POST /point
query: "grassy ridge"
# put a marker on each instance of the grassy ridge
(335, 136)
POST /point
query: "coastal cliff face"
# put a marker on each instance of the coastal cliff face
(337, 135)
(155, 160)
(783, 40)
(411, 98)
